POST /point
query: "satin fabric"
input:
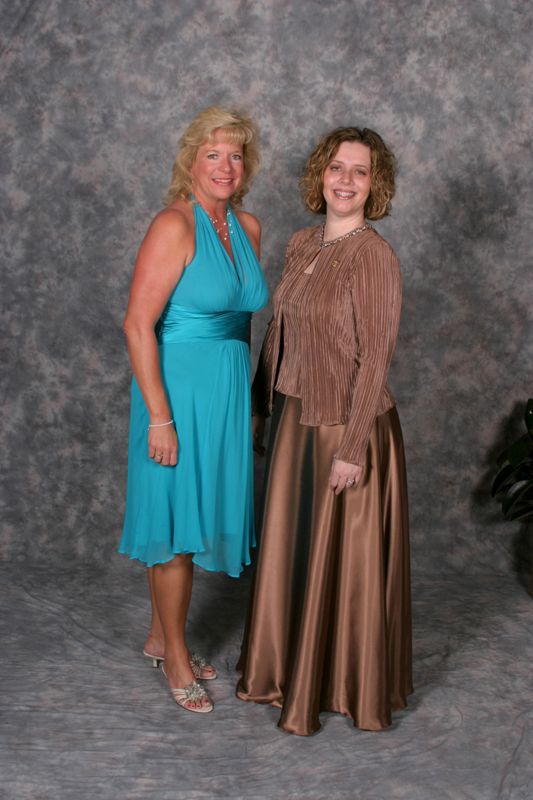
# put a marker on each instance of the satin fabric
(187, 325)
(329, 624)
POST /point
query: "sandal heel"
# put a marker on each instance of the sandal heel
(156, 660)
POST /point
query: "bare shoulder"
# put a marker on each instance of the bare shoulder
(251, 224)
(169, 238)
(175, 221)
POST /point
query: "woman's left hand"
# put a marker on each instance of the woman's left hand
(344, 475)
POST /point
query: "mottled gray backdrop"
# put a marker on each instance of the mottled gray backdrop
(95, 95)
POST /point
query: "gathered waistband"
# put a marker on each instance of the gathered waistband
(179, 324)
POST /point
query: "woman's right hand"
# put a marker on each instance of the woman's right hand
(163, 445)
(258, 433)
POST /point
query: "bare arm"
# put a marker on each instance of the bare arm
(164, 252)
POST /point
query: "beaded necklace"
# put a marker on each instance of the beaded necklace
(353, 232)
(224, 229)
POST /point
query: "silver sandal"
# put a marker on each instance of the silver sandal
(197, 662)
(194, 693)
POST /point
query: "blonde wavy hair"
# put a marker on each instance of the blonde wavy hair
(382, 171)
(238, 130)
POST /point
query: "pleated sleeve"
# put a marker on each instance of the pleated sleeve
(376, 297)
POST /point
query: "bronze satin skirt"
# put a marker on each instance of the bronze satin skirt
(329, 622)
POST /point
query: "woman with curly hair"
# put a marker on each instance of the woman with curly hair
(329, 625)
(197, 281)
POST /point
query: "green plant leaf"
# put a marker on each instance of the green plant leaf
(520, 445)
(508, 476)
(528, 416)
(503, 479)
(520, 513)
(519, 450)
(518, 495)
(524, 471)
(513, 483)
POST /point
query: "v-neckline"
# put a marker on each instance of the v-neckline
(231, 259)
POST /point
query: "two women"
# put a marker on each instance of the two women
(197, 280)
(329, 620)
(329, 624)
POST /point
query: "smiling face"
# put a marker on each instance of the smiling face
(217, 170)
(346, 182)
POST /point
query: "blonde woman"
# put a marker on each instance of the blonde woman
(329, 623)
(197, 281)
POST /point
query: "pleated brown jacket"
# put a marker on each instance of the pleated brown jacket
(333, 334)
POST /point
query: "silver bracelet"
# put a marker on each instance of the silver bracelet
(160, 424)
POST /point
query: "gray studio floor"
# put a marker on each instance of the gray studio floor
(85, 716)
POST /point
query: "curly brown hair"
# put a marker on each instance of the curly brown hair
(382, 171)
(238, 129)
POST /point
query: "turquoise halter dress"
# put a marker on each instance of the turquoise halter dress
(203, 505)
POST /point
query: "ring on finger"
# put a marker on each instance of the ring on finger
(350, 482)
